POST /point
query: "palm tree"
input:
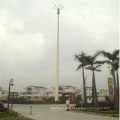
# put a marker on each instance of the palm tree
(113, 60)
(81, 58)
(116, 66)
(94, 92)
(91, 60)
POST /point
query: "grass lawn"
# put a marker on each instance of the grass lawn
(14, 118)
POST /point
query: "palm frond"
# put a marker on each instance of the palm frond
(79, 67)
(97, 70)
(96, 55)
(115, 53)
(108, 62)
(99, 62)
(89, 68)
(76, 57)
(107, 55)
(97, 66)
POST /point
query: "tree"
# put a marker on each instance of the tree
(63, 98)
(78, 99)
(82, 59)
(93, 65)
(113, 60)
(94, 91)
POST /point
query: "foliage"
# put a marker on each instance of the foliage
(63, 98)
(12, 112)
(18, 101)
(2, 108)
(99, 111)
(2, 113)
(50, 100)
(82, 59)
(78, 99)
(1, 105)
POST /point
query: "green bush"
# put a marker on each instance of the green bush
(1, 105)
(2, 113)
(99, 111)
(63, 98)
(50, 100)
(12, 112)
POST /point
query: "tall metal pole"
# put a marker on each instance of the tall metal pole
(8, 97)
(57, 59)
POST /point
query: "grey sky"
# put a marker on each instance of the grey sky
(28, 40)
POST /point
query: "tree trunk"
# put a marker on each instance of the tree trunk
(95, 91)
(84, 87)
(117, 89)
(117, 81)
(116, 107)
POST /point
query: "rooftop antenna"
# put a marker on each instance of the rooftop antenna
(57, 56)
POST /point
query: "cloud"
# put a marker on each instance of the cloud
(28, 39)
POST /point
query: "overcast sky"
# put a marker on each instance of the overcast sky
(28, 40)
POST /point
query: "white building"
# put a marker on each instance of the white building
(33, 92)
(64, 89)
(104, 92)
(3, 94)
(101, 94)
(88, 94)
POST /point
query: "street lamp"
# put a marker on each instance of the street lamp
(57, 59)
(10, 84)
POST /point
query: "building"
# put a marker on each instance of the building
(50, 94)
(3, 95)
(88, 94)
(14, 95)
(64, 89)
(33, 93)
(102, 94)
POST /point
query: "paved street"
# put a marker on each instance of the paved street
(56, 112)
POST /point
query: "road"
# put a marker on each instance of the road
(56, 112)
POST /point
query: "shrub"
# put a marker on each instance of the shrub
(3, 109)
(2, 113)
(12, 112)
(63, 98)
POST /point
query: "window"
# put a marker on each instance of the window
(29, 97)
(29, 88)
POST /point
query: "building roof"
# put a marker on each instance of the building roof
(36, 86)
(4, 90)
(69, 86)
(65, 86)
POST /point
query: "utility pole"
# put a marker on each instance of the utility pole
(57, 59)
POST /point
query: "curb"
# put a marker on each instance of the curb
(93, 113)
